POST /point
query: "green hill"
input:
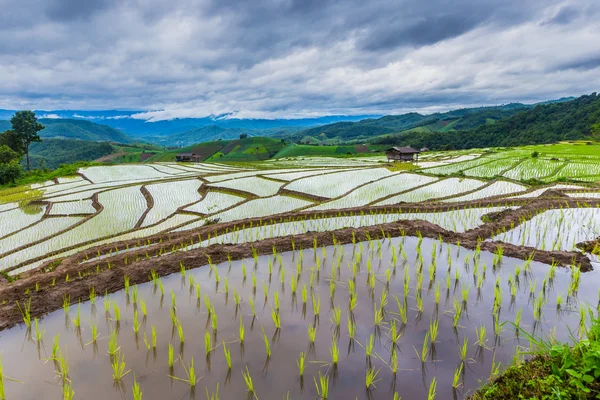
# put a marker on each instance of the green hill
(51, 153)
(76, 129)
(367, 129)
(545, 123)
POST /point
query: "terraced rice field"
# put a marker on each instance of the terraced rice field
(298, 278)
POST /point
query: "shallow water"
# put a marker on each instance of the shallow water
(91, 374)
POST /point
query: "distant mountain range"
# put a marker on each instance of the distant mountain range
(124, 127)
(76, 129)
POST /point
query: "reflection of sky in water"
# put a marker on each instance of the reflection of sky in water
(91, 374)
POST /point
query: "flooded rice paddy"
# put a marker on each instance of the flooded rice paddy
(442, 317)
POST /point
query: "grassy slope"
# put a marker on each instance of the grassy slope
(556, 372)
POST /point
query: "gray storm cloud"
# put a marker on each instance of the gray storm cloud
(293, 58)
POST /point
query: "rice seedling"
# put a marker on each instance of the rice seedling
(248, 381)
(25, 311)
(351, 328)
(214, 320)
(119, 368)
(39, 334)
(518, 317)
(241, 331)
(402, 310)
(369, 345)
(433, 330)
(113, 347)
(457, 375)
(334, 352)
(371, 378)
(190, 372)
(457, 314)
(117, 312)
(464, 349)
(180, 333)
(136, 390)
(134, 294)
(481, 336)
(432, 389)
(227, 354)
(276, 319)
(267, 344)
(336, 317)
(207, 344)
(424, 349)
(316, 302)
(213, 396)
(322, 386)
(312, 333)
(304, 294)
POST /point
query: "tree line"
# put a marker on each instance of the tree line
(14, 144)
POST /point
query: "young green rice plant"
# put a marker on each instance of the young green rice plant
(304, 294)
(170, 356)
(113, 347)
(267, 344)
(465, 294)
(180, 333)
(378, 317)
(55, 347)
(242, 331)
(351, 328)
(276, 319)
(432, 389)
(68, 392)
(336, 318)
(126, 283)
(559, 301)
(402, 310)
(134, 294)
(457, 376)
(316, 301)
(137, 391)
(276, 302)
(424, 349)
(419, 302)
(119, 368)
(322, 386)
(117, 312)
(369, 345)
(312, 333)
(481, 334)
(437, 293)
(301, 363)
(214, 320)
(434, 330)
(371, 378)
(207, 344)
(518, 317)
(39, 334)
(25, 311)
(334, 352)
(190, 372)
(227, 354)
(248, 381)
(464, 349)
(457, 313)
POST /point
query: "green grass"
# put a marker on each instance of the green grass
(556, 371)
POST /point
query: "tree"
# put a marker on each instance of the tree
(26, 127)
(595, 131)
(243, 135)
(11, 139)
(10, 167)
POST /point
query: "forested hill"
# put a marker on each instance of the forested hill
(76, 129)
(547, 123)
(466, 118)
(53, 152)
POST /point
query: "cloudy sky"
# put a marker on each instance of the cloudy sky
(291, 58)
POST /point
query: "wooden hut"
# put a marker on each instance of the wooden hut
(188, 157)
(402, 154)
